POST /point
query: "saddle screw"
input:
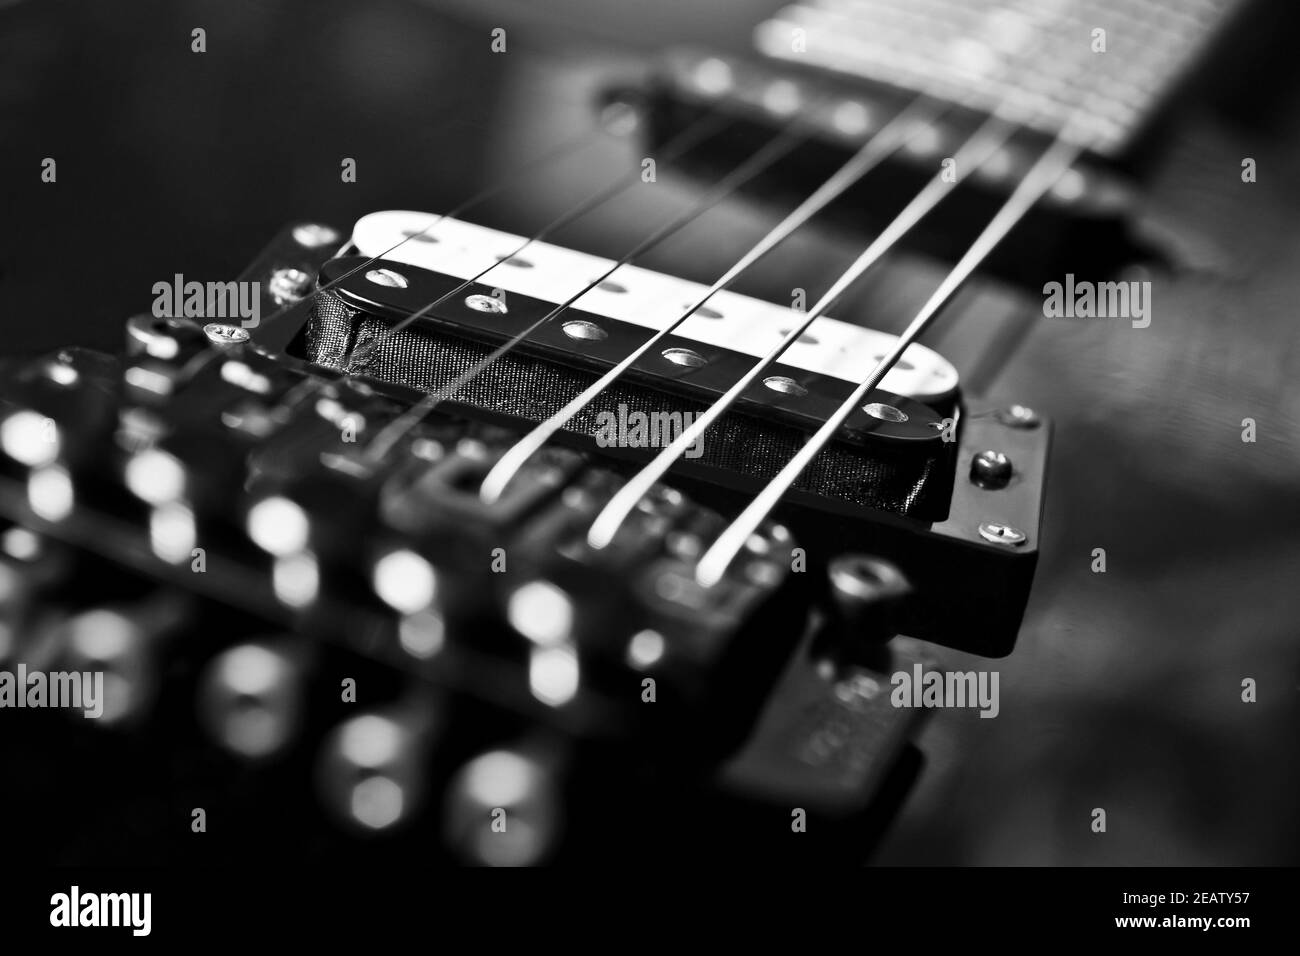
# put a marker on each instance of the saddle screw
(313, 235)
(868, 594)
(220, 334)
(288, 285)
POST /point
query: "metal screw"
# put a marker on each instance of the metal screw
(764, 574)
(886, 413)
(61, 371)
(621, 117)
(713, 76)
(219, 334)
(1018, 416)
(582, 329)
(313, 235)
(387, 277)
(782, 97)
(486, 303)
(999, 533)
(851, 118)
(687, 357)
(990, 469)
(868, 594)
(784, 385)
(865, 580)
(288, 285)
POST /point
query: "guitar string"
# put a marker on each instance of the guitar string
(795, 132)
(565, 148)
(582, 140)
(701, 129)
(892, 136)
(616, 511)
(990, 136)
(991, 132)
(1055, 161)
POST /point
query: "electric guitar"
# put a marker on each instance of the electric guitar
(683, 482)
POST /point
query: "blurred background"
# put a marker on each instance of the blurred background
(1124, 692)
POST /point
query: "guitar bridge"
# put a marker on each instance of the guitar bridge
(918, 498)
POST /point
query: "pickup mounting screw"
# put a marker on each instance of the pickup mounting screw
(999, 533)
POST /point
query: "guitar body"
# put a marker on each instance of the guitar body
(1155, 666)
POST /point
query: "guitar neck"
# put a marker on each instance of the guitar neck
(1107, 63)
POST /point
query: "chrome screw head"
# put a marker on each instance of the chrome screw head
(998, 533)
(219, 333)
(387, 278)
(288, 285)
(583, 330)
(687, 358)
(486, 303)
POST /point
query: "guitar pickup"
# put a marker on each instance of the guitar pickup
(581, 340)
(599, 290)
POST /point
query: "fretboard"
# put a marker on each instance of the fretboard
(1036, 62)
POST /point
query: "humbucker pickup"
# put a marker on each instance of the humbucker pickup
(740, 324)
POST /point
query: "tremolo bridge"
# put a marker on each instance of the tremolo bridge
(213, 462)
(917, 475)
